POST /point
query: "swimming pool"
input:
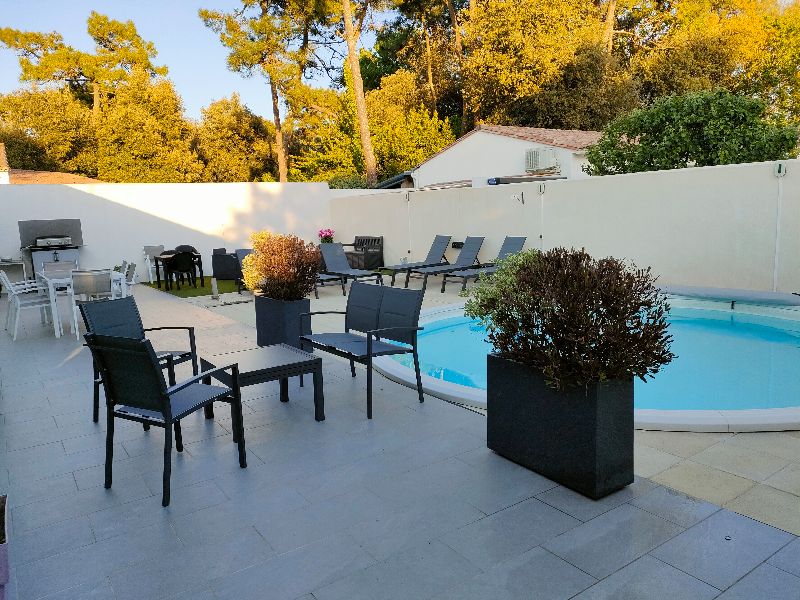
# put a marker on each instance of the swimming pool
(734, 368)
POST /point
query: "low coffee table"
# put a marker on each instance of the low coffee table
(269, 363)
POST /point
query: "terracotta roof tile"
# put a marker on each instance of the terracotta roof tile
(571, 139)
(21, 177)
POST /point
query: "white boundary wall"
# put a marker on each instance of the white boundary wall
(712, 226)
(119, 219)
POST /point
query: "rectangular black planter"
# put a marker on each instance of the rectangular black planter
(4, 529)
(582, 437)
(278, 321)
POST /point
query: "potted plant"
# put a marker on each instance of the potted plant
(326, 235)
(280, 272)
(569, 333)
(3, 546)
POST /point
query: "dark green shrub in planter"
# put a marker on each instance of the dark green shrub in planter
(280, 272)
(570, 333)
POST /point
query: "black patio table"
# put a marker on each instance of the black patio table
(270, 363)
(159, 263)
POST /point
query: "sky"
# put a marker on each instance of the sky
(193, 53)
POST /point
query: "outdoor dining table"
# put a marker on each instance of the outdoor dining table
(161, 258)
(59, 280)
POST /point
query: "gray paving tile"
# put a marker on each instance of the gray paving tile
(675, 506)
(53, 539)
(648, 577)
(417, 572)
(97, 590)
(612, 540)
(190, 570)
(722, 548)
(764, 581)
(26, 491)
(788, 558)
(584, 508)
(413, 525)
(509, 533)
(295, 573)
(536, 574)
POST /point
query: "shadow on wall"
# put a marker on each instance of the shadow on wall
(114, 230)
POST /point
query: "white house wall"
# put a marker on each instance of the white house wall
(482, 155)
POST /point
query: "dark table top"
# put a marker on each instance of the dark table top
(266, 358)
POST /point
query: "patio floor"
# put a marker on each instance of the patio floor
(410, 505)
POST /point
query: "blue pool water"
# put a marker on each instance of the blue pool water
(726, 360)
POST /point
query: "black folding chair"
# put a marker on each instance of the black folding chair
(387, 320)
(136, 391)
(121, 318)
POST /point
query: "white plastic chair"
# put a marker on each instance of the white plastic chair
(150, 252)
(23, 295)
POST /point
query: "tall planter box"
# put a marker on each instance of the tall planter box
(582, 438)
(279, 322)
(3, 546)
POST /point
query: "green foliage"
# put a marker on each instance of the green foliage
(143, 136)
(385, 56)
(696, 129)
(577, 319)
(233, 143)
(49, 130)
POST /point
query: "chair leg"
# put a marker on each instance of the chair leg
(464, 284)
(369, 387)
(178, 436)
(16, 323)
(352, 369)
(419, 376)
(394, 273)
(96, 397)
(424, 282)
(239, 424)
(167, 463)
(380, 278)
(344, 283)
(444, 281)
(408, 277)
(316, 291)
(109, 445)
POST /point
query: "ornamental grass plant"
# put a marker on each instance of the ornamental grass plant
(577, 319)
(283, 267)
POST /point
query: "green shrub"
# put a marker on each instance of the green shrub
(577, 319)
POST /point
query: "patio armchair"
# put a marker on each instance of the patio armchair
(336, 264)
(24, 295)
(136, 391)
(121, 318)
(179, 265)
(466, 259)
(225, 265)
(367, 252)
(378, 321)
(434, 259)
(511, 245)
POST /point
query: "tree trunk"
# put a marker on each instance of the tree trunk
(280, 151)
(456, 29)
(608, 30)
(358, 90)
(95, 102)
(430, 62)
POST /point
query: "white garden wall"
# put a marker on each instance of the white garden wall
(713, 226)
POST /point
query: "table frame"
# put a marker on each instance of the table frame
(306, 364)
(167, 283)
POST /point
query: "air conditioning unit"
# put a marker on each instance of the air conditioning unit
(541, 159)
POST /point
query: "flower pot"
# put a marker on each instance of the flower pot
(581, 438)
(278, 321)
(3, 546)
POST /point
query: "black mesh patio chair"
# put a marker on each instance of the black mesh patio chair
(336, 264)
(240, 254)
(511, 245)
(180, 265)
(323, 278)
(136, 391)
(225, 265)
(386, 321)
(434, 259)
(367, 252)
(466, 259)
(121, 318)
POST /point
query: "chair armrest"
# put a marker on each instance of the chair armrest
(234, 367)
(323, 312)
(353, 245)
(162, 328)
(372, 332)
